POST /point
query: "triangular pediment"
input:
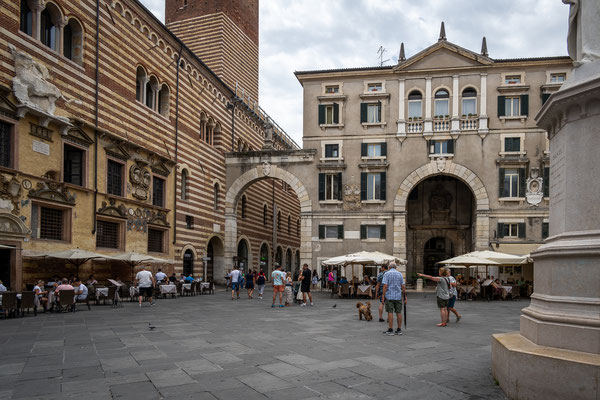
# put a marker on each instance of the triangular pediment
(160, 168)
(117, 151)
(78, 136)
(7, 107)
(443, 55)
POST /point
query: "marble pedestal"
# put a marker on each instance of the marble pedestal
(556, 354)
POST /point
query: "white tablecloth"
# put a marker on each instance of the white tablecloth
(507, 288)
(134, 291)
(187, 286)
(205, 285)
(168, 289)
(101, 292)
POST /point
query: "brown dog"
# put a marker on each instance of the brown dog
(364, 309)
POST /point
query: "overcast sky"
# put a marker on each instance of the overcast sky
(300, 35)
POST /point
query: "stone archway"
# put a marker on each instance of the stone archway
(442, 167)
(237, 188)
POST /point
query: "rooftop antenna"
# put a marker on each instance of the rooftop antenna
(380, 52)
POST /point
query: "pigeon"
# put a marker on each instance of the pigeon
(335, 305)
(151, 327)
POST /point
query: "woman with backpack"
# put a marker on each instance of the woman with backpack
(442, 292)
(261, 280)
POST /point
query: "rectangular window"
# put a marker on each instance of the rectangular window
(374, 87)
(332, 89)
(512, 79)
(52, 224)
(331, 187)
(441, 147)
(558, 78)
(114, 175)
(545, 230)
(158, 191)
(108, 234)
(374, 150)
(469, 106)
(189, 222)
(373, 186)
(329, 114)
(511, 183)
(332, 150)
(415, 109)
(512, 144)
(373, 113)
(512, 106)
(73, 165)
(511, 230)
(372, 231)
(156, 239)
(331, 231)
(6, 144)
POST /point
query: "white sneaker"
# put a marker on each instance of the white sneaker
(303, 305)
(311, 304)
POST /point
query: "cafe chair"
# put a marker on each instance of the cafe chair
(9, 304)
(66, 299)
(516, 292)
(345, 290)
(28, 302)
(85, 301)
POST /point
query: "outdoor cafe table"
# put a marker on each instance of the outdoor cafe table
(168, 289)
(134, 291)
(102, 292)
(364, 290)
(186, 286)
(204, 285)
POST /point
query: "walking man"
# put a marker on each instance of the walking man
(234, 277)
(278, 284)
(145, 282)
(394, 292)
(305, 287)
(379, 291)
(452, 300)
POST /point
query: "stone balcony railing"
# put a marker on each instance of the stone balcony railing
(469, 123)
(441, 124)
(414, 126)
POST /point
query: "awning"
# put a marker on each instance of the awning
(363, 258)
(467, 260)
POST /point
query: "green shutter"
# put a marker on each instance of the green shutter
(363, 186)
(384, 149)
(451, 146)
(339, 180)
(383, 231)
(321, 231)
(522, 182)
(501, 173)
(524, 104)
(363, 231)
(379, 110)
(500, 231)
(364, 149)
(521, 229)
(321, 187)
(340, 231)
(545, 230)
(34, 220)
(321, 114)
(545, 97)
(336, 113)
(501, 106)
(363, 112)
(546, 182)
(382, 193)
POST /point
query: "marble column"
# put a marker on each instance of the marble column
(483, 118)
(455, 122)
(428, 127)
(401, 106)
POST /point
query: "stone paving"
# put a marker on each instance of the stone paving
(209, 347)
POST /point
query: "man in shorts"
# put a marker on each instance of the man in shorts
(379, 291)
(234, 278)
(305, 286)
(278, 284)
(145, 282)
(394, 292)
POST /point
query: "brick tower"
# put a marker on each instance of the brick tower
(224, 34)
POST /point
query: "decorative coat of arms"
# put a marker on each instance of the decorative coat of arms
(352, 197)
(266, 168)
(140, 180)
(535, 188)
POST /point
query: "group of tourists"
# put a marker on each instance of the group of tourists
(446, 294)
(237, 279)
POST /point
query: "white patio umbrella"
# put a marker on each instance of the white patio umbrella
(76, 257)
(133, 259)
(363, 258)
(500, 258)
(467, 261)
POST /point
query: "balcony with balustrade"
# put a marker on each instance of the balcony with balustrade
(414, 125)
(469, 123)
(441, 124)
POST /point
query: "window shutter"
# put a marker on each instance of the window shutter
(545, 230)
(34, 221)
(339, 180)
(327, 150)
(545, 97)
(546, 182)
(321, 187)
(501, 106)
(524, 104)
(321, 114)
(363, 231)
(382, 193)
(501, 173)
(321, 231)
(382, 233)
(451, 146)
(384, 149)
(500, 232)
(340, 231)
(336, 113)
(379, 110)
(364, 149)
(507, 144)
(363, 186)
(522, 182)
(521, 229)
(363, 112)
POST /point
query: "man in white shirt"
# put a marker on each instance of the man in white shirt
(2, 287)
(160, 276)
(81, 291)
(145, 281)
(234, 277)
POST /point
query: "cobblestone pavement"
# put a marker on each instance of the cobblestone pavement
(208, 347)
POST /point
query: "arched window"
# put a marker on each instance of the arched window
(244, 201)
(265, 218)
(415, 104)
(239, 145)
(469, 102)
(279, 255)
(278, 220)
(288, 260)
(26, 18)
(140, 84)
(210, 127)
(151, 90)
(73, 41)
(216, 195)
(442, 103)
(184, 183)
(188, 263)
(289, 224)
(163, 100)
(49, 32)
(203, 121)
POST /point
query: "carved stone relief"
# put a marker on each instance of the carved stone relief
(140, 181)
(139, 219)
(12, 226)
(535, 188)
(53, 191)
(10, 192)
(112, 209)
(352, 197)
(439, 205)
